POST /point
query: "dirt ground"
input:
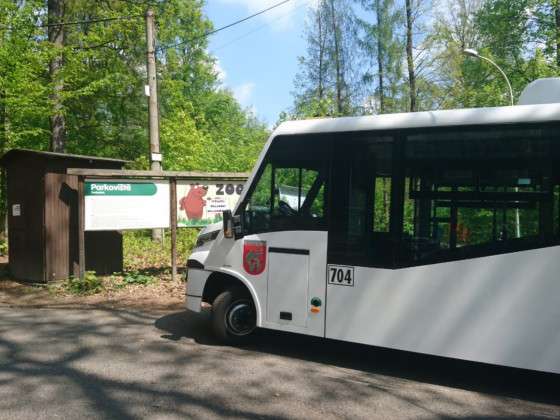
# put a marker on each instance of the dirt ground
(161, 295)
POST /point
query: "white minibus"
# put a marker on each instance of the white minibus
(431, 232)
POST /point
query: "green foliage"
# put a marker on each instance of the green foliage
(520, 36)
(136, 278)
(3, 245)
(90, 284)
(141, 253)
(386, 51)
(202, 126)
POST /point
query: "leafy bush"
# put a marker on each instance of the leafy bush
(90, 284)
(136, 278)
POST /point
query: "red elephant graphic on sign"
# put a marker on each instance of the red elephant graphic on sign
(193, 203)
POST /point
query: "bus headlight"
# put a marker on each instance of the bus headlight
(206, 237)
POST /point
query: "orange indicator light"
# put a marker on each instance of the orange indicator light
(315, 309)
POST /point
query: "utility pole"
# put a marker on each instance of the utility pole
(155, 155)
(55, 32)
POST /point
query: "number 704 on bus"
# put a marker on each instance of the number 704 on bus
(340, 275)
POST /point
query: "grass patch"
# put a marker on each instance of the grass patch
(142, 254)
(134, 278)
(89, 285)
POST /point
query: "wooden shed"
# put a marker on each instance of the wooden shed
(43, 217)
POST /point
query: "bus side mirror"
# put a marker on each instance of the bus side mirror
(233, 225)
(228, 224)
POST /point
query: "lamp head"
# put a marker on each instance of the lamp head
(471, 52)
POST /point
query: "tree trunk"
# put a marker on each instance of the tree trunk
(380, 69)
(321, 91)
(339, 105)
(3, 144)
(409, 57)
(3, 121)
(557, 22)
(56, 38)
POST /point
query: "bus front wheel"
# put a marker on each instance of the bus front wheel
(233, 316)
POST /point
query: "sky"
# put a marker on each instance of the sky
(258, 58)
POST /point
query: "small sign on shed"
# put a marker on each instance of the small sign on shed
(43, 217)
(16, 210)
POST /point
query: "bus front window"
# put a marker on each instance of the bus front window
(290, 191)
(257, 212)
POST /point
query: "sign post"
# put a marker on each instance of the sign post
(81, 230)
(173, 224)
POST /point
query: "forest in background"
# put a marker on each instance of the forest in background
(383, 56)
(79, 87)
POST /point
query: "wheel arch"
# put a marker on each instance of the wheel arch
(220, 281)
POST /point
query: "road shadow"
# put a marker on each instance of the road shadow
(478, 377)
(50, 356)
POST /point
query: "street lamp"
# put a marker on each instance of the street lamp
(474, 53)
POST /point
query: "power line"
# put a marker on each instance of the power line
(215, 31)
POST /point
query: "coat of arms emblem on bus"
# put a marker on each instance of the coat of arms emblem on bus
(254, 257)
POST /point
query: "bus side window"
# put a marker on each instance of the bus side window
(382, 204)
(461, 203)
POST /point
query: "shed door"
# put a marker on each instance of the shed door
(61, 226)
(25, 213)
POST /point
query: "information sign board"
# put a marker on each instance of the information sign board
(126, 204)
(202, 203)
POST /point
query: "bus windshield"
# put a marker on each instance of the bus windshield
(290, 191)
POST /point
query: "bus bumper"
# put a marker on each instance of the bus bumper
(196, 280)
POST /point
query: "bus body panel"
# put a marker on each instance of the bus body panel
(197, 281)
(502, 309)
(294, 273)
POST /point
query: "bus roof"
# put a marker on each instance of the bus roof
(426, 119)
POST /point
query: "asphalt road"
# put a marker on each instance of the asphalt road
(124, 364)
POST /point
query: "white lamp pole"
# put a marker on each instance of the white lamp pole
(474, 53)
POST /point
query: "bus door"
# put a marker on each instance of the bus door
(360, 232)
(360, 203)
(287, 211)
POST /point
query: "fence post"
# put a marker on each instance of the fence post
(173, 225)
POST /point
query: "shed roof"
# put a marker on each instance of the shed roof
(13, 154)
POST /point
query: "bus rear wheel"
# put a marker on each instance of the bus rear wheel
(234, 317)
